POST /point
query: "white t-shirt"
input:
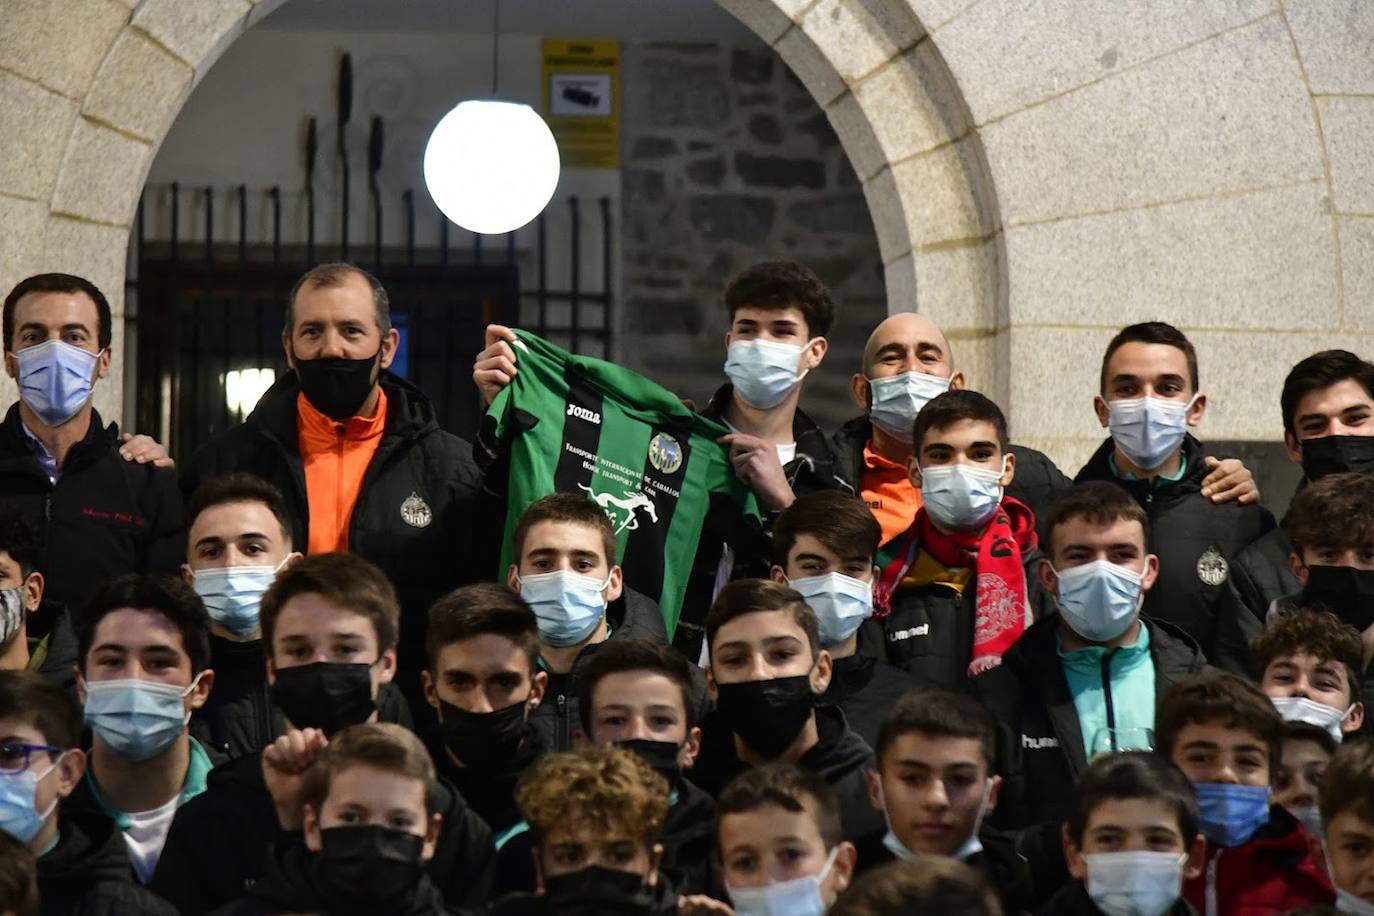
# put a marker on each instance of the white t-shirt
(146, 834)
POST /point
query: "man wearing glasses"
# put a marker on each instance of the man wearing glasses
(82, 863)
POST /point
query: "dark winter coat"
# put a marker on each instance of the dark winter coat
(865, 688)
(1041, 747)
(1262, 573)
(999, 862)
(415, 513)
(492, 796)
(841, 758)
(104, 516)
(88, 873)
(217, 848)
(58, 645)
(1073, 900)
(289, 885)
(661, 900)
(1195, 539)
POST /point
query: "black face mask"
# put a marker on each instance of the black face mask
(367, 864)
(487, 743)
(1337, 455)
(1345, 591)
(326, 695)
(767, 715)
(661, 755)
(596, 890)
(336, 386)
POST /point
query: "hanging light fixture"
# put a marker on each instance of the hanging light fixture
(491, 165)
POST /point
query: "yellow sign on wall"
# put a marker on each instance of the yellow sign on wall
(582, 101)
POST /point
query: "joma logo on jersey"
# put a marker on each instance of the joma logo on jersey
(582, 413)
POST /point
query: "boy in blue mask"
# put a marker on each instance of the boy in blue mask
(958, 586)
(82, 861)
(824, 546)
(1130, 840)
(1226, 737)
(565, 551)
(1149, 399)
(144, 645)
(239, 538)
(1347, 809)
(781, 845)
(1084, 680)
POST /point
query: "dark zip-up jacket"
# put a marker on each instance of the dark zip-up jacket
(840, 757)
(659, 900)
(1262, 574)
(1041, 746)
(58, 645)
(491, 796)
(558, 717)
(415, 516)
(103, 517)
(240, 718)
(998, 862)
(1038, 481)
(88, 873)
(1196, 541)
(1073, 900)
(290, 885)
(864, 688)
(218, 843)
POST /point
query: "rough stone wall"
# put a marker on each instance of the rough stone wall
(728, 160)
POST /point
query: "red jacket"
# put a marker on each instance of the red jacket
(1268, 876)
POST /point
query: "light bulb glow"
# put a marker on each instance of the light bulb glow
(243, 388)
(491, 166)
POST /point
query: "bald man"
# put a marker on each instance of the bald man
(906, 362)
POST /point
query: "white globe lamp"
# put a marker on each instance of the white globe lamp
(491, 166)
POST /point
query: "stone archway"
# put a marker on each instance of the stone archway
(1038, 174)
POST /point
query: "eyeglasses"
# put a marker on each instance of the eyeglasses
(14, 758)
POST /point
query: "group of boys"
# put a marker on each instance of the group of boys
(959, 679)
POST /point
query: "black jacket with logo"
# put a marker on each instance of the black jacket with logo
(88, 873)
(1038, 481)
(1041, 747)
(1196, 541)
(415, 513)
(1261, 572)
(929, 631)
(841, 758)
(105, 516)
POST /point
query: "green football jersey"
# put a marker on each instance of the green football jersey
(576, 424)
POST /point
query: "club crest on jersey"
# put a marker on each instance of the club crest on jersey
(1212, 567)
(622, 510)
(665, 453)
(415, 512)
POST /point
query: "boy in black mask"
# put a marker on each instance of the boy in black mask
(644, 696)
(484, 681)
(594, 815)
(330, 625)
(367, 803)
(767, 672)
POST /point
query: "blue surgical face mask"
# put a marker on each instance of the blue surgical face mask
(897, 399)
(961, 495)
(55, 379)
(1099, 600)
(1231, 814)
(137, 719)
(18, 817)
(567, 605)
(798, 897)
(841, 604)
(1135, 883)
(233, 594)
(1148, 430)
(763, 372)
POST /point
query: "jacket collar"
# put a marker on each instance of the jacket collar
(1099, 467)
(409, 414)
